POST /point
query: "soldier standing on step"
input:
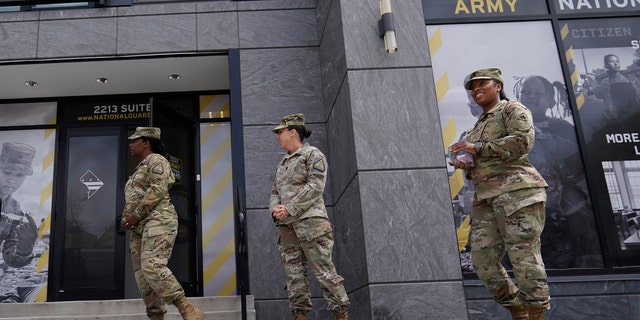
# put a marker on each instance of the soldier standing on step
(153, 223)
(298, 211)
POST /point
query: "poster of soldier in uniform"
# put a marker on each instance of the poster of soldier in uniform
(26, 175)
(604, 58)
(530, 64)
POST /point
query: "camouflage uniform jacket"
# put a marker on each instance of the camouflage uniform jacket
(501, 164)
(148, 188)
(8, 236)
(299, 184)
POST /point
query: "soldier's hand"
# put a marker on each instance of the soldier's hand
(130, 222)
(26, 234)
(280, 212)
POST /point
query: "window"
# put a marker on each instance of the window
(587, 56)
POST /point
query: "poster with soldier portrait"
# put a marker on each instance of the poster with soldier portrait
(530, 64)
(604, 60)
(26, 178)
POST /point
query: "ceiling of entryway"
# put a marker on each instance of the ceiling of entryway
(123, 76)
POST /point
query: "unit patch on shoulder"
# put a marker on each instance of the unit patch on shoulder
(319, 165)
(157, 168)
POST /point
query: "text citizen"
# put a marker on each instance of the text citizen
(609, 32)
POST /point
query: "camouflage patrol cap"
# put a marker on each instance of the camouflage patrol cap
(488, 73)
(149, 132)
(296, 119)
(17, 156)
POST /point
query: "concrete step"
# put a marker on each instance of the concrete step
(218, 308)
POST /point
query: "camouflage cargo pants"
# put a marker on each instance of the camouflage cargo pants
(308, 248)
(511, 223)
(150, 251)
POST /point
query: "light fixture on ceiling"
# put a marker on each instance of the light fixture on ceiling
(386, 27)
(30, 83)
(102, 80)
(174, 76)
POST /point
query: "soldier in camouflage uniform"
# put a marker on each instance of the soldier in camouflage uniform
(298, 210)
(153, 222)
(508, 209)
(18, 230)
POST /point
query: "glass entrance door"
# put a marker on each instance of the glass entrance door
(90, 244)
(90, 259)
(174, 117)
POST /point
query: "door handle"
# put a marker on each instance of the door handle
(119, 228)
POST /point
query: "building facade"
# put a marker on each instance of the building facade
(79, 80)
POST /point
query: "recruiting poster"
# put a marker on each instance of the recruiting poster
(604, 61)
(527, 54)
(26, 178)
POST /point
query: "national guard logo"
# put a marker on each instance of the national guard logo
(319, 165)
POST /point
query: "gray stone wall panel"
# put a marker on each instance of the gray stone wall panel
(154, 34)
(216, 6)
(408, 226)
(425, 301)
(279, 310)
(608, 297)
(600, 307)
(285, 28)
(73, 38)
(78, 13)
(276, 4)
(217, 31)
(360, 308)
(342, 148)
(262, 153)
(350, 249)
(365, 48)
(332, 58)
(610, 285)
(19, 16)
(395, 120)
(322, 11)
(277, 82)
(158, 9)
(272, 309)
(267, 278)
(19, 40)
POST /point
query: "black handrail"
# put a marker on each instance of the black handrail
(241, 253)
(242, 257)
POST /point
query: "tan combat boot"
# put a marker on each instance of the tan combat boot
(187, 310)
(535, 313)
(341, 315)
(299, 316)
(518, 313)
(156, 316)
